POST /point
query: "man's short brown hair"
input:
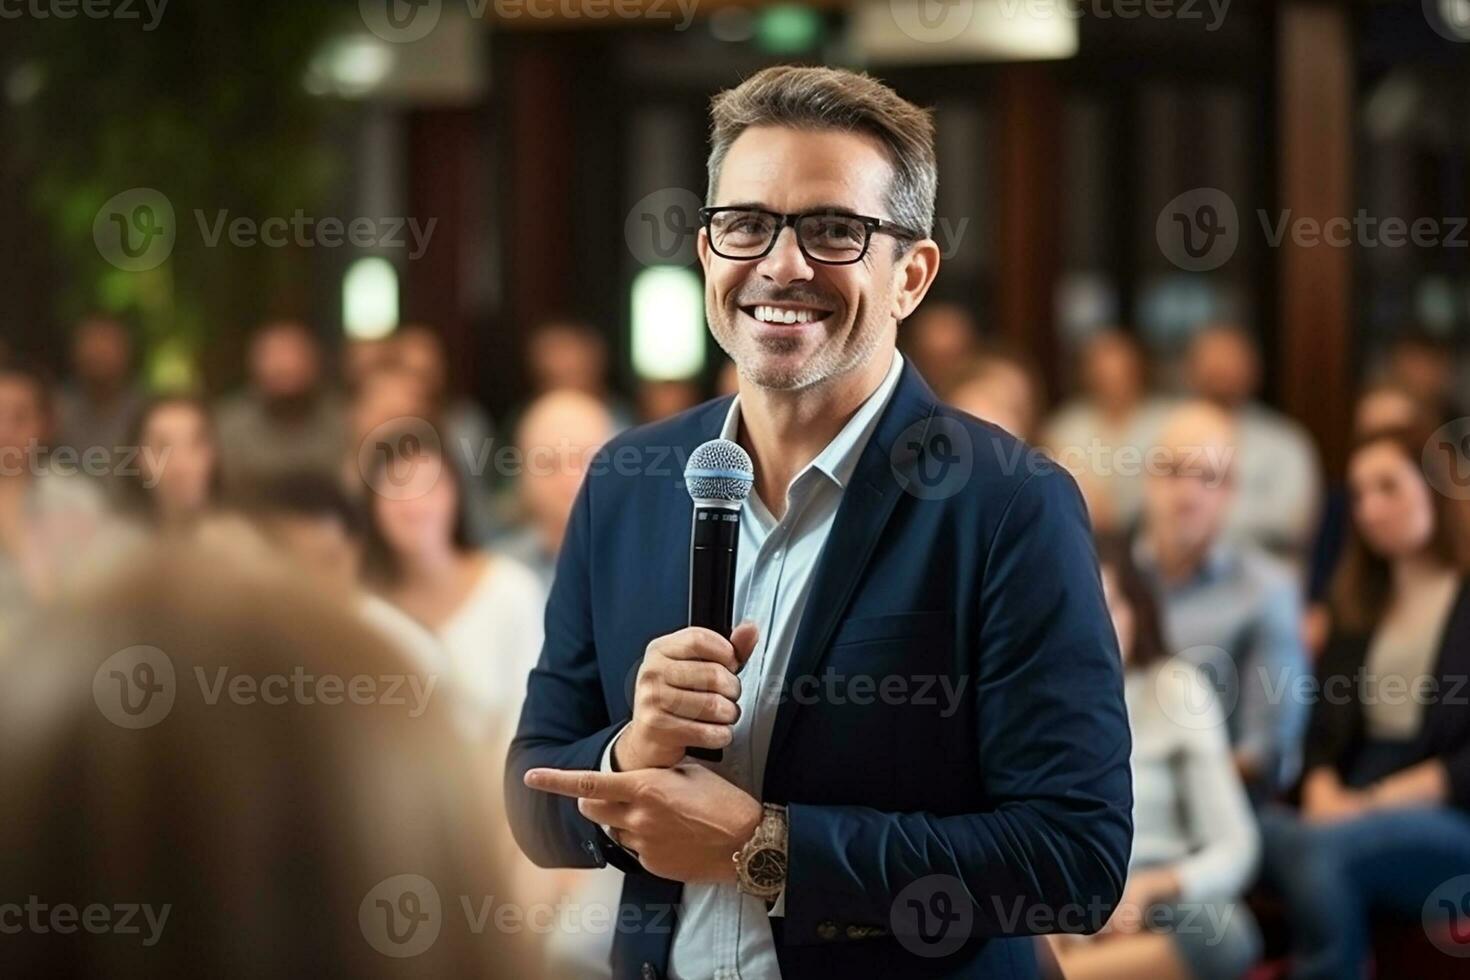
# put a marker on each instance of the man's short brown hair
(827, 99)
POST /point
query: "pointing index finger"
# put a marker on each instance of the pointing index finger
(583, 783)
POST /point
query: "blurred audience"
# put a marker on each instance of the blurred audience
(941, 339)
(1383, 818)
(287, 418)
(1229, 607)
(564, 353)
(316, 528)
(100, 397)
(1423, 363)
(662, 399)
(49, 517)
(1103, 436)
(484, 607)
(558, 436)
(247, 829)
(1195, 842)
(1001, 386)
(175, 479)
(1278, 485)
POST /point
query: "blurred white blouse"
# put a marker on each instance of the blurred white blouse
(493, 641)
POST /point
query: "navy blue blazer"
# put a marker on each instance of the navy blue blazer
(925, 828)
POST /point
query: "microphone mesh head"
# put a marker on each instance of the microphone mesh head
(719, 470)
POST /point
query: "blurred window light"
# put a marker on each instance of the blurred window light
(733, 25)
(349, 66)
(1434, 304)
(668, 323)
(959, 31)
(370, 299)
(788, 28)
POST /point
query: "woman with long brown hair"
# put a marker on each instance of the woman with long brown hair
(1384, 818)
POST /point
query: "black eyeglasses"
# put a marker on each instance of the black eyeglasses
(827, 237)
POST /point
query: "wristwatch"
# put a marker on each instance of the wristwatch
(760, 866)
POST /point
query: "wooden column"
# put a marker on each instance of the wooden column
(1028, 217)
(1314, 180)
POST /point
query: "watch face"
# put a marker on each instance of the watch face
(767, 868)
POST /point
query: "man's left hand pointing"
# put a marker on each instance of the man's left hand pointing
(683, 823)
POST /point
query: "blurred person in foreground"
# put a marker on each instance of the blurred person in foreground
(941, 339)
(50, 518)
(212, 772)
(1229, 606)
(287, 418)
(100, 398)
(1277, 479)
(484, 607)
(831, 815)
(1195, 843)
(558, 437)
(314, 525)
(1001, 386)
(1384, 814)
(174, 480)
(1103, 436)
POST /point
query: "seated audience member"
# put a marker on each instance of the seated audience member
(1384, 799)
(1000, 386)
(1228, 606)
(465, 429)
(174, 477)
(99, 400)
(1383, 406)
(485, 608)
(286, 419)
(387, 400)
(941, 339)
(663, 399)
(1278, 484)
(1103, 436)
(314, 525)
(155, 770)
(563, 353)
(558, 436)
(49, 519)
(1195, 843)
(1425, 364)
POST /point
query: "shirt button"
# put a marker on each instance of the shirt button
(827, 930)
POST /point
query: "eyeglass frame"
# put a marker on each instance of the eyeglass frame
(784, 221)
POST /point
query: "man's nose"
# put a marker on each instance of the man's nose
(785, 263)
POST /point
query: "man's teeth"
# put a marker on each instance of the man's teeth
(772, 314)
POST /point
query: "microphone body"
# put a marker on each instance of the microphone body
(719, 476)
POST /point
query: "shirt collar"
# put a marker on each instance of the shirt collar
(840, 458)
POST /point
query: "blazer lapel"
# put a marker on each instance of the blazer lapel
(866, 506)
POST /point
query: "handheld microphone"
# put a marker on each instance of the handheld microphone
(719, 476)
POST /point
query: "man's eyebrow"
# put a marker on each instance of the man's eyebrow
(819, 208)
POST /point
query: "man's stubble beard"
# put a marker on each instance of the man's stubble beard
(828, 361)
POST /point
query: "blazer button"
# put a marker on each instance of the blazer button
(827, 930)
(648, 972)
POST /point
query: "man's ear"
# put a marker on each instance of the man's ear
(701, 247)
(914, 273)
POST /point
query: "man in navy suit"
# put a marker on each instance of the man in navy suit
(925, 750)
